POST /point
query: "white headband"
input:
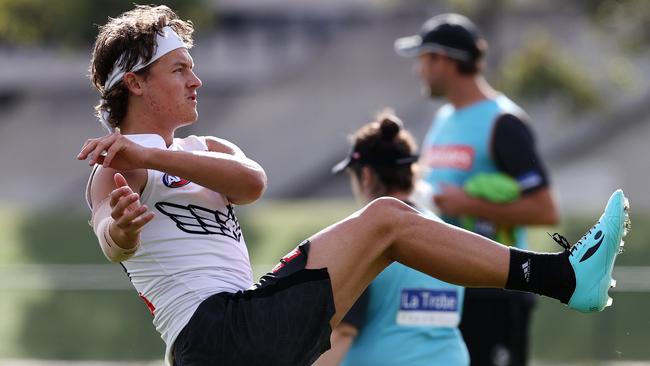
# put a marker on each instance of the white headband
(165, 43)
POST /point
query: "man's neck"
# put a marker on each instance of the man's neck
(136, 122)
(467, 90)
(400, 195)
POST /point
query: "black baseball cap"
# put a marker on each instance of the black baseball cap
(451, 34)
(373, 158)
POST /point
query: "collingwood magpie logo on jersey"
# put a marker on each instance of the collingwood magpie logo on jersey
(173, 181)
(199, 220)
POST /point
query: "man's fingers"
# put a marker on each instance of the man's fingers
(123, 189)
(142, 220)
(88, 146)
(120, 181)
(110, 154)
(122, 204)
(91, 144)
(125, 219)
(135, 220)
(101, 147)
(117, 193)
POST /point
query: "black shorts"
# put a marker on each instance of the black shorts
(284, 320)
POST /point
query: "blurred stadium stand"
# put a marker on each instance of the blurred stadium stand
(289, 85)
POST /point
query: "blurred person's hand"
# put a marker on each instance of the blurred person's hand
(451, 200)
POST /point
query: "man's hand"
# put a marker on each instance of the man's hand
(114, 151)
(452, 200)
(129, 216)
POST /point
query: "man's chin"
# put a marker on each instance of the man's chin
(188, 120)
(192, 117)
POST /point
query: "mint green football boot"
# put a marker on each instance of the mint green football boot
(593, 256)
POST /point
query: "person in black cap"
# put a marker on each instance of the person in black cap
(404, 317)
(478, 138)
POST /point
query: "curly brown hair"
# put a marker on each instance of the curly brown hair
(131, 36)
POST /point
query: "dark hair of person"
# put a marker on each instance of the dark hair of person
(474, 65)
(131, 36)
(384, 137)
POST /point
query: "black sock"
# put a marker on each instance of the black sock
(548, 274)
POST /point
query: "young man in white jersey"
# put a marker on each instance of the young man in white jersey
(162, 206)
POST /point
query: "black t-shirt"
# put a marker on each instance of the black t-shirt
(514, 152)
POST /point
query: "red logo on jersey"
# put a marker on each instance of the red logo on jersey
(450, 156)
(172, 181)
(150, 306)
(286, 259)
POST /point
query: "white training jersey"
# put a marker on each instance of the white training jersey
(192, 249)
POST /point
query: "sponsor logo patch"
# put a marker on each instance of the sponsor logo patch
(428, 307)
(286, 259)
(450, 156)
(173, 181)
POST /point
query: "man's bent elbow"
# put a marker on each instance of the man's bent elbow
(251, 190)
(257, 186)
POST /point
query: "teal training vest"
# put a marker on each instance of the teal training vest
(458, 146)
(412, 320)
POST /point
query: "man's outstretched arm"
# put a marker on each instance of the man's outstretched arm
(224, 168)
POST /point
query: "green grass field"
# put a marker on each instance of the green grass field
(115, 325)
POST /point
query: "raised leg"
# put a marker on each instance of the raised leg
(358, 248)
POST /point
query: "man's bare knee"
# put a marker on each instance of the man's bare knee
(385, 213)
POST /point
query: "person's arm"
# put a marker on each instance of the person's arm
(515, 154)
(117, 215)
(232, 174)
(341, 339)
(534, 208)
(346, 331)
(224, 168)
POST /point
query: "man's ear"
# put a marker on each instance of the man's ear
(133, 82)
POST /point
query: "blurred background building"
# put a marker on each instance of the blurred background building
(287, 81)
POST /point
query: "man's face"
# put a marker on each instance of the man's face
(432, 70)
(170, 88)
